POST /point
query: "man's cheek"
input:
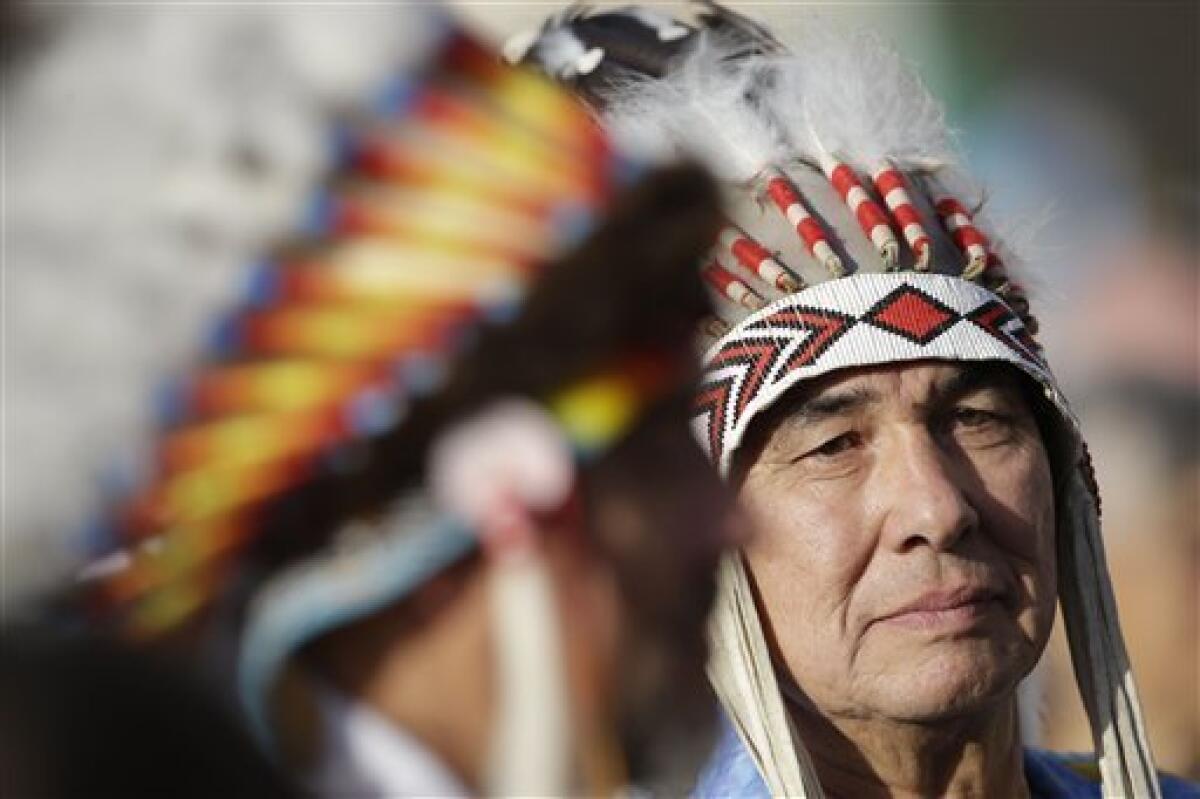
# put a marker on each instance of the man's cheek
(778, 522)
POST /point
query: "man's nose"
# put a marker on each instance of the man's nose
(922, 493)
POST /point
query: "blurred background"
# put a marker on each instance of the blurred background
(149, 150)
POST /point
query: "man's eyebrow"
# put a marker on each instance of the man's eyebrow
(970, 379)
(831, 403)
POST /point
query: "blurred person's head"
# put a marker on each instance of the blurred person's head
(874, 391)
(535, 618)
(435, 472)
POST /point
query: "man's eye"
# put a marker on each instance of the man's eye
(835, 446)
(975, 418)
(981, 428)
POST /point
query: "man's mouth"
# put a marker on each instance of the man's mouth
(946, 609)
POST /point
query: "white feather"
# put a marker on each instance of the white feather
(1026, 245)
(846, 93)
(839, 93)
(564, 55)
(861, 101)
(517, 46)
(1023, 240)
(643, 135)
(704, 108)
(665, 28)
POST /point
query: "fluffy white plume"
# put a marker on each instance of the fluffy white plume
(848, 94)
(149, 152)
(563, 53)
(705, 107)
(860, 100)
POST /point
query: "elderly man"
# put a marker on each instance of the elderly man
(874, 392)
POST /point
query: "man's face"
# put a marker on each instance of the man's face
(904, 538)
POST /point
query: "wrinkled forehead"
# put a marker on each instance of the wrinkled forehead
(891, 388)
(858, 321)
(868, 394)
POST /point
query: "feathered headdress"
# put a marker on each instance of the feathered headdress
(845, 107)
(864, 246)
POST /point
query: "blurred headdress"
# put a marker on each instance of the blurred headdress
(455, 330)
(869, 247)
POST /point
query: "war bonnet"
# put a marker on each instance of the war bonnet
(854, 237)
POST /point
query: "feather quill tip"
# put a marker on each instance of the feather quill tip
(974, 267)
(714, 327)
(889, 251)
(834, 266)
(788, 284)
(923, 255)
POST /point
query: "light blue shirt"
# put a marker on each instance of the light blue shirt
(731, 772)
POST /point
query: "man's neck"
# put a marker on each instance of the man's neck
(431, 681)
(978, 756)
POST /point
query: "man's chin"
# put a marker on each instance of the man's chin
(955, 682)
